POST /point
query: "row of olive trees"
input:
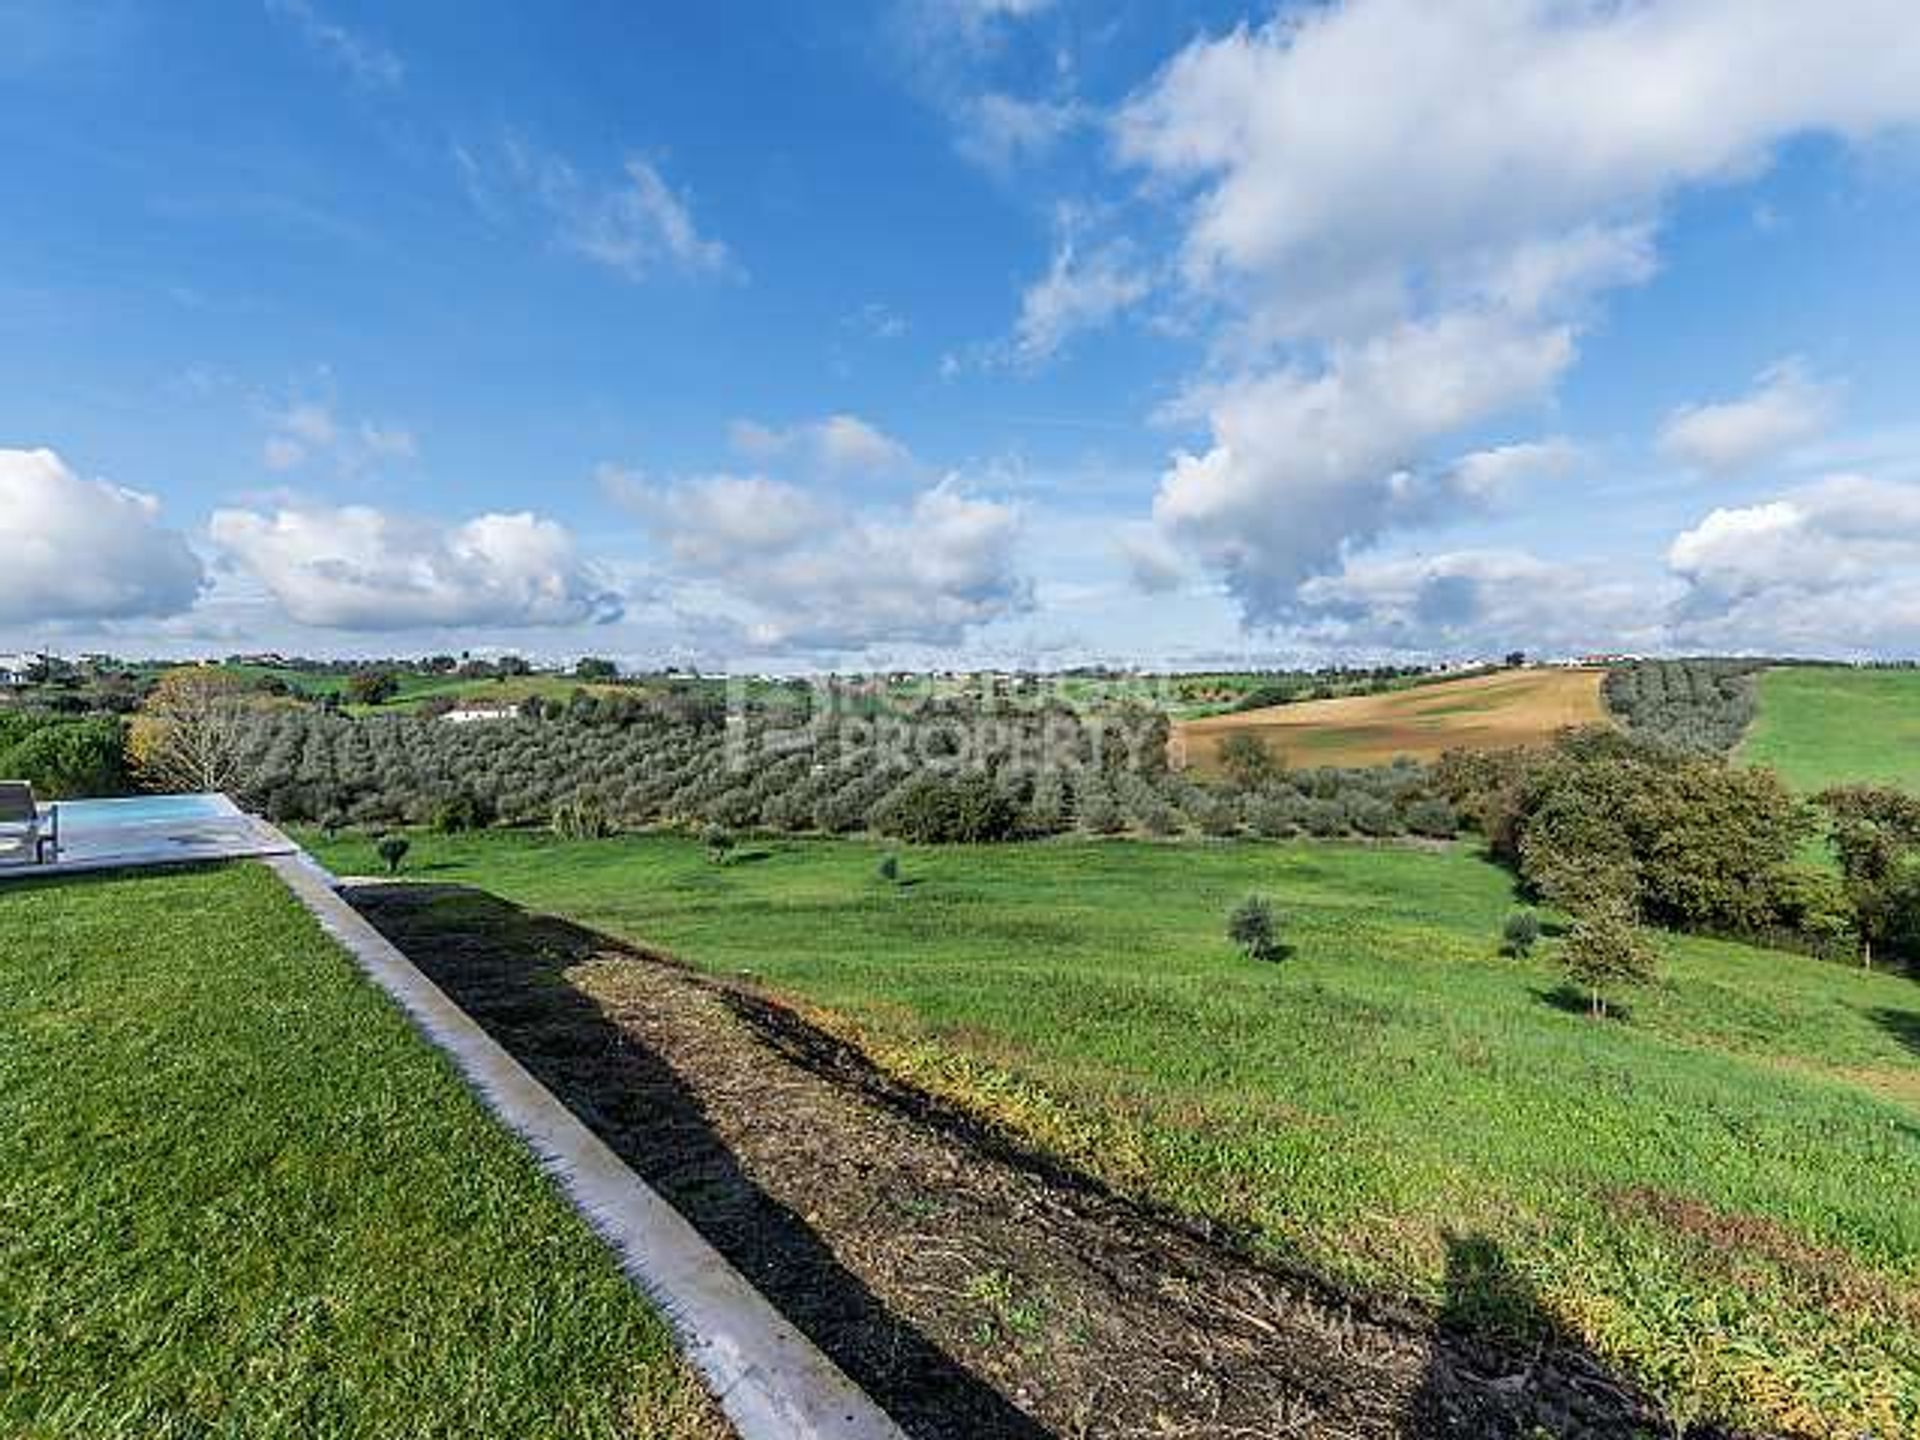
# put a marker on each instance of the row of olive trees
(951, 771)
(1700, 704)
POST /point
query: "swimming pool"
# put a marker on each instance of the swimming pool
(144, 810)
(154, 830)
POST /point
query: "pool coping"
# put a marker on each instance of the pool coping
(772, 1382)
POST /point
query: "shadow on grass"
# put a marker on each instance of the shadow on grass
(1574, 1001)
(1902, 1025)
(1513, 1372)
(507, 969)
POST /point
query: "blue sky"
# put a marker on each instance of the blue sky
(952, 331)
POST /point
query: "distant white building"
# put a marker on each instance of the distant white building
(482, 710)
(14, 668)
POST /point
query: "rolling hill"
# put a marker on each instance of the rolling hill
(1821, 725)
(1488, 712)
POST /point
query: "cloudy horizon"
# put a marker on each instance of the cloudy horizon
(963, 332)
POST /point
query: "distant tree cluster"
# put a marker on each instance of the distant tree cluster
(1617, 830)
(951, 771)
(1605, 822)
(1699, 705)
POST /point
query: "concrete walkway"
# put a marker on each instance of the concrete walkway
(768, 1377)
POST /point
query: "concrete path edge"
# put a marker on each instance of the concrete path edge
(772, 1382)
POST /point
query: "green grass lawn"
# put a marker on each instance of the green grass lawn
(1825, 725)
(1721, 1194)
(239, 1197)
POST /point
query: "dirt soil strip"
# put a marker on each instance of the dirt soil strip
(770, 1381)
(974, 1289)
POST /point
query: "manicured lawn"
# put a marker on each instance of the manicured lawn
(239, 1197)
(1826, 725)
(1721, 1194)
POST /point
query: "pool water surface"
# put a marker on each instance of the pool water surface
(153, 830)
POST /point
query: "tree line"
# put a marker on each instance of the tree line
(1623, 831)
(947, 770)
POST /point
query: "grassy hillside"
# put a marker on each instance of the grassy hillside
(239, 1196)
(1719, 1194)
(1824, 725)
(1508, 707)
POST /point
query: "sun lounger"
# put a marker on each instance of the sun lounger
(27, 833)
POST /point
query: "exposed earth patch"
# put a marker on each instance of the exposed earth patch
(976, 1289)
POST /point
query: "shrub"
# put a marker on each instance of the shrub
(1246, 760)
(1372, 816)
(579, 819)
(1698, 705)
(719, 843)
(1874, 833)
(372, 687)
(462, 812)
(1271, 816)
(392, 849)
(1684, 837)
(66, 759)
(1156, 817)
(936, 809)
(649, 757)
(1603, 949)
(1521, 933)
(1323, 818)
(1433, 818)
(1217, 815)
(1253, 927)
(1101, 815)
(889, 868)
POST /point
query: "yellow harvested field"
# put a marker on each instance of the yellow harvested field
(1485, 712)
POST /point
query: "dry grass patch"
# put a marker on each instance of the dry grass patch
(1484, 712)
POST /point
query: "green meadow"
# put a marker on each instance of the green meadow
(1827, 725)
(1719, 1193)
(239, 1196)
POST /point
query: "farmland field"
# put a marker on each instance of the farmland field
(1509, 707)
(416, 687)
(1826, 725)
(1716, 1195)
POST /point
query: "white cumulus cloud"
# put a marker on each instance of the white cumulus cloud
(1785, 407)
(1477, 602)
(75, 549)
(1308, 461)
(1348, 218)
(358, 568)
(1834, 563)
(815, 576)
